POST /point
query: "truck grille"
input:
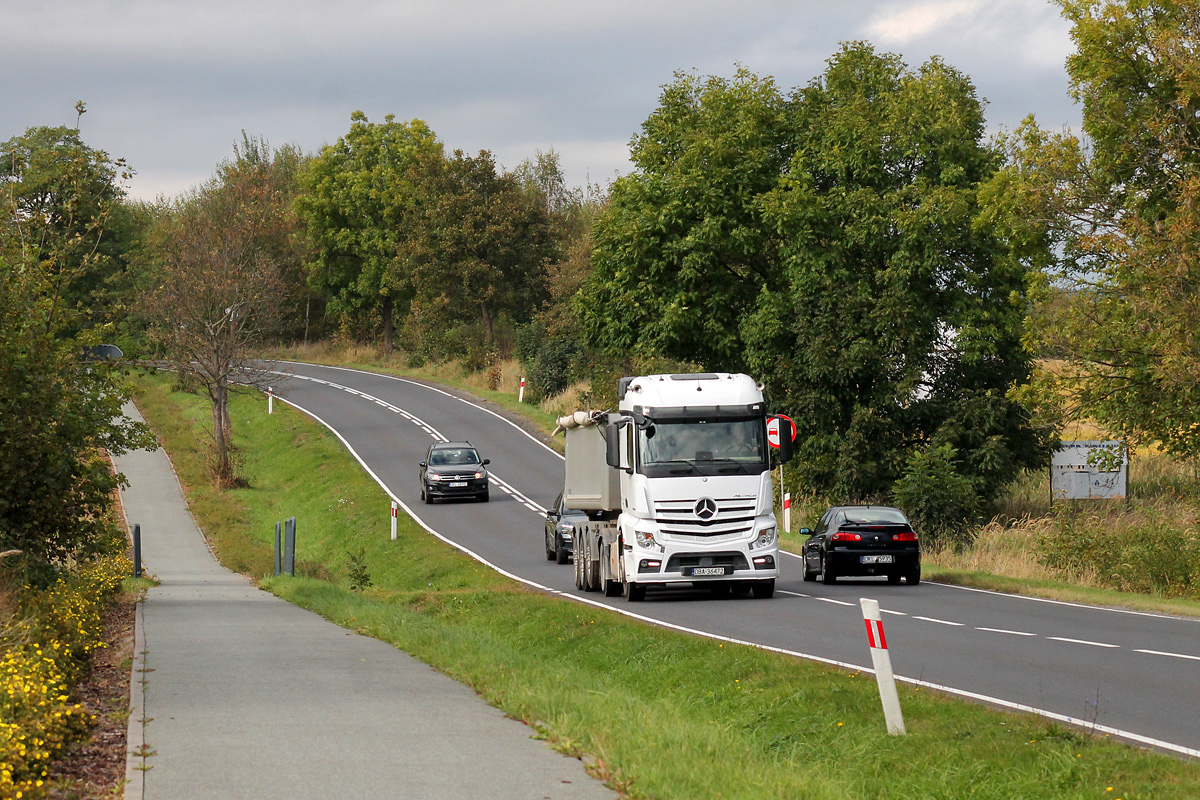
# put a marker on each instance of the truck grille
(677, 563)
(707, 517)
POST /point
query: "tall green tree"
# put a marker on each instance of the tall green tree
(833, 243)
(355, 203)
(1126, 310)
(479, 245)
(58, 413)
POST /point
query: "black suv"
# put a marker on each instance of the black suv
(453, 469)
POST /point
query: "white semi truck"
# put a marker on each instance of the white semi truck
(677, 487)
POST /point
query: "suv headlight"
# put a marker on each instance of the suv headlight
(766, 538)
(480, 474)
(433, 477)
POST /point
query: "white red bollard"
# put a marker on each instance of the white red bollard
(270, 399)
(521, 393)
(882, 662)
(787, 512)
(395, 513)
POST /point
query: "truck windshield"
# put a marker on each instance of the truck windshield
(704, 447)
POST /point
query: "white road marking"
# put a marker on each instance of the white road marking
(1081, 641)
(831, 600)
(793, 594)
(897, 613)
(939, 621)
(1001, 630)
(1172, 655)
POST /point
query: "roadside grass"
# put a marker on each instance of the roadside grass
(654, 712)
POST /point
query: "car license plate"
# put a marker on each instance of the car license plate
(457, 484)
(878, 559)
(708, 571)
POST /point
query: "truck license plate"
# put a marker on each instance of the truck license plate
(708, 571)
(878, 559)
(457, 484)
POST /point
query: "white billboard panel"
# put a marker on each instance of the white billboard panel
(1089, 470)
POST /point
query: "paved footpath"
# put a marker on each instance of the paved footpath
(247, 696)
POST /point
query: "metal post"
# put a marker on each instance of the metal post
(278, 555)
(289, 546)
(882, 661)
(395, 513)
(137, 551)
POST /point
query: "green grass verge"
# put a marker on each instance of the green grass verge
(660, 714)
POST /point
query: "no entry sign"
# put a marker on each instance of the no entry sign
(773, 425)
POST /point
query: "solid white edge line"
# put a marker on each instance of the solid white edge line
(1067, 603)
(1172, 655)
(982, 698)
(1081, 641)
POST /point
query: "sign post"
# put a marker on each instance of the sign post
(773, 426)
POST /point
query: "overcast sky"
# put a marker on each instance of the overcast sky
(170, 85)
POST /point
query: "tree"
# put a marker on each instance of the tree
(1127, 199)
(220, 263)
(832, 243)
(61, 197)
(681, 252)
(479, 244)
(58, 414)
(355, 205)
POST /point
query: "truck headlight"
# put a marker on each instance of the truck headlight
(645, 539)
(766, 538)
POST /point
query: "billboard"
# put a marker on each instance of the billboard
(1089, 470)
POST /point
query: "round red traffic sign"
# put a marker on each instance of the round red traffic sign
(773, 429)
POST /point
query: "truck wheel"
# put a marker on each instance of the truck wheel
(634, 592)
(591, 575)
(579, 571)
(827, 574)
(764, 589)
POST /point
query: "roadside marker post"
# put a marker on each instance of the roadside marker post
(521, 393)
(137, 551)
(270, 399)
(882, 662)
(395, 513)
(787, 512)
(278, 554)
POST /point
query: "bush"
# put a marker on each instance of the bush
(942, 503)
(59, 630)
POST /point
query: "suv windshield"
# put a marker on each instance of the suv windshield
(704, 447)
(453, 456)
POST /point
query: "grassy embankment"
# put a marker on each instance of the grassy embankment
(660, 714)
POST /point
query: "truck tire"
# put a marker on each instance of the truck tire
(764, 589)
(634, 592)
(579, 571)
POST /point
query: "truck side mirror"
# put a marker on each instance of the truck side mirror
(612, 445)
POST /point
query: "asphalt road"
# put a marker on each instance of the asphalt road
(1128, 674)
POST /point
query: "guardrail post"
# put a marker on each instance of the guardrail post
(278, 554)
(882, 662)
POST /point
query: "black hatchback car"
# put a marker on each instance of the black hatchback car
(862, 540)
(454, 469)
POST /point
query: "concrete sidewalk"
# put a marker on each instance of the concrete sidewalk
(247, 696)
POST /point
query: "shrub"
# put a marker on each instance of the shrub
(941, 502)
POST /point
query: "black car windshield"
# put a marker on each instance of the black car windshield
(875, 516)
(704, 447)
(453, 456)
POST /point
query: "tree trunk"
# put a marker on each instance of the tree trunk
(487, 320)
(222, 468)
(387, 324)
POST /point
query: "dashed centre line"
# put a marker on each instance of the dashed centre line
(1081, 641)
(1011, 633)
(1172, 655)
(940, 621)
